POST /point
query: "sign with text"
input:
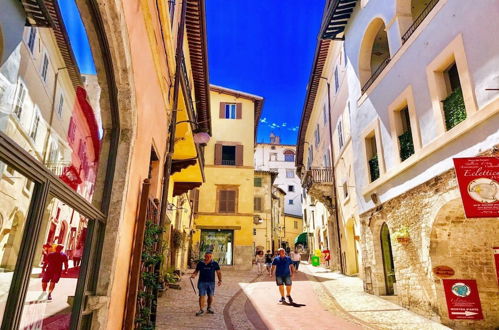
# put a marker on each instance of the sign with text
(496, 259)
(463, 301)
(478, 179)
(443, 271)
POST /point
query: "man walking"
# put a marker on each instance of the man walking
(206, 282)
(55, 261)
(284, 271)
(296, 258)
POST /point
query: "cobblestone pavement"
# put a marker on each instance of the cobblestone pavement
(369, 309)
(326, 300)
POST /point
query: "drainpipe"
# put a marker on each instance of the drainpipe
(335, 191)
(171, 142)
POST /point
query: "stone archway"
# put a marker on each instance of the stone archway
(465, 245)
(374, 49)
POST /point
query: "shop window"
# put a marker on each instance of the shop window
(258, 204)
(290, 173)
(258, 182)
(227, 200)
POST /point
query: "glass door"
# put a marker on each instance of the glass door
(220, 243)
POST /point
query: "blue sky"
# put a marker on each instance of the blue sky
(262, 47)
(265, 47)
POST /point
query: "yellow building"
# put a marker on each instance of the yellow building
(262, 224)
(224, 221)
(293, 226)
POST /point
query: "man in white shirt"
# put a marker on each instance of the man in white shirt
(296, 258)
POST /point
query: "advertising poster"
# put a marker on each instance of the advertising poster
(478, 179)
(463, 301)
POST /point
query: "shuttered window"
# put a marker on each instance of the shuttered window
(258, 204)
(228, 155)
(195, 200)
(227, 201)
(231, 110)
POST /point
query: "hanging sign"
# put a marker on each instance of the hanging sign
(443, 271)
(478, 180)
(496, 259)
(463, 302)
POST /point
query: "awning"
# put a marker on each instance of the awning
(301, 239)
(336, 19)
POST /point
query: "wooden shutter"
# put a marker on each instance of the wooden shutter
(239, 110)
(239, 155)
(231, 201)
(218, 154)
(258, 203)
(195, 200)
(222, 201)
(222, 109)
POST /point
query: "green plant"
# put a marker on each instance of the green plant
(171, 277)
(406, 145)
(402, 232)
(374, 168)
(177, 238)
(454, 108)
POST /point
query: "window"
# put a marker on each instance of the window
(254, 231)
(195, 200)
(272, 147)
(340, 134)
(406, 144)
(45, 66)
(289, 156)
(290, 173)
(32, 39)
(228, 155)
(291, 188)
(273, 156)
(258, 182)
(295, 226)
(21, 95)
(71, 130)
(317, 136)
(34, 127)
(258, 204)
(327, 159)
(324, 113)
(336, 80)
(290, 202)
(60, 106)
(227, 201)
(310, 156)
(454, 108)
(230, 111)
(374, 53)
(345, 190)
(372, 156)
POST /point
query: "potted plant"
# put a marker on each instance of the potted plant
(402, 235)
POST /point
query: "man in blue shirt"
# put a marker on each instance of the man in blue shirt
(206, 282)
(284, 271)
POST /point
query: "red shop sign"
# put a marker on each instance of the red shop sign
(478, 180)
(463, 302)
(496, 259)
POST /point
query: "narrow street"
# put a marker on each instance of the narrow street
(322, 300)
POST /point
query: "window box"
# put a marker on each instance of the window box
(374, 168)
(406, 145)
(454, 108)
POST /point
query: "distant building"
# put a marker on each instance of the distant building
(280, 158)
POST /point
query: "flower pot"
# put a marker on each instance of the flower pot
(403, 240)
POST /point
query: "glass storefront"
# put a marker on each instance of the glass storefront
(51, 136)
(220, 243)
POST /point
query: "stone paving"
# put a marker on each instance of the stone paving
(369, 309)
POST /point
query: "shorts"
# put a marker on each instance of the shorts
(279, 280)
(206, 288)
(51, 277)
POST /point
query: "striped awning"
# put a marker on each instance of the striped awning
(336, 18)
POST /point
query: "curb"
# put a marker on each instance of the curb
(227, 319)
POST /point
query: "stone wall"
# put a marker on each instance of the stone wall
(439, 235)
(243, 257)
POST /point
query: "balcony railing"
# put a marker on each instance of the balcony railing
(419, 20)
(375, 75)
(318, 175)
(228, 162)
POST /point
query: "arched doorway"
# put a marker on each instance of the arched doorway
(374, 51)
(388, 264)
(351, 249)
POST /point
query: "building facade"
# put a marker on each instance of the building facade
(224, 221)
(418, 97)
(263, 220)
(280, 158)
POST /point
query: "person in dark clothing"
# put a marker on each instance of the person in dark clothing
(268, 260)
(55, 262)
(284, 271)
(206, 283)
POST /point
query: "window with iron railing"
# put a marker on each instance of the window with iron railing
(419, 14)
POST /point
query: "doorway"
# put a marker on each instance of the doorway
(388, 265)
(220, 243)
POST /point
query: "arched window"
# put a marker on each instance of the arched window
(374, 53)
(289, 156)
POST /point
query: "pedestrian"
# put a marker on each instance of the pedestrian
(296, 258)
(55, 262)
(268, 260)
(206, 281)
(77, 253)
(45, 252)
(259, 260)
(284, 271)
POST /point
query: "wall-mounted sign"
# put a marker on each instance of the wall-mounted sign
(443, 271)
(478, 180)
(463, 301)
(496, 259)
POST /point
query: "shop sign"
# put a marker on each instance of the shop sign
(443, 271)
(496, 258)
(463, 301)
(478, 180)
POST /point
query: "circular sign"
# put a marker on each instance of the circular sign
(443, 271)
(461, 290)
(484, 190)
